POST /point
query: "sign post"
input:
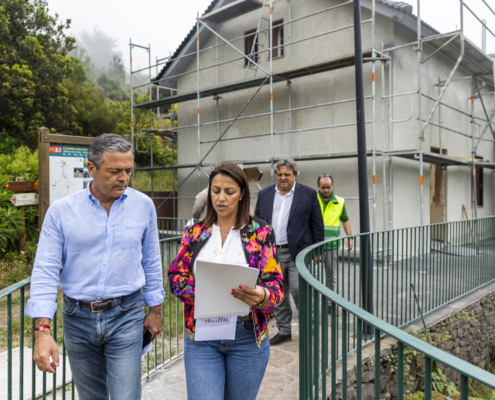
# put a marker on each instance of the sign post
(62, 167)
(62, 164)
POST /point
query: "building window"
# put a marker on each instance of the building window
(278, 39)
(251, 46)
(479, 184)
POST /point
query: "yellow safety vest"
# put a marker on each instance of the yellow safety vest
(331, 215)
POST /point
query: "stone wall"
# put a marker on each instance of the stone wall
(467, 333)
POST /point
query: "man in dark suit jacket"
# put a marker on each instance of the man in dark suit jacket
(295, 215)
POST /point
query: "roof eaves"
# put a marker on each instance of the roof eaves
(188, 37)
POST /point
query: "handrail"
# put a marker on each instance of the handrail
(436, 354)
(440, 258)
(167, 347)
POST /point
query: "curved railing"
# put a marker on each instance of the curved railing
(403, 273)
(18, 335)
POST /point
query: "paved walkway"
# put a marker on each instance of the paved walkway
(281, 380)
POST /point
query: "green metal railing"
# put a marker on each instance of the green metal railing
(403, 271)
(171, 227)
(167, 346)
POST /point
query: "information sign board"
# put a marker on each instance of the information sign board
(68, 169)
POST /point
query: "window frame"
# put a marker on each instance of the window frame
(278, 33)
(248, 42)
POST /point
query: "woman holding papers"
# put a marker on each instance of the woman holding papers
(228, 369)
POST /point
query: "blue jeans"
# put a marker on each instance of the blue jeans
(226, 369)
(104, 349)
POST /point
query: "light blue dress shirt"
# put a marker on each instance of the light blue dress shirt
(103, 256)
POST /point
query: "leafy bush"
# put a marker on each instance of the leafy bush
(10, 221)
(22, 162)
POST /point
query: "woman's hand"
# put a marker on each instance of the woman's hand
(251, 297)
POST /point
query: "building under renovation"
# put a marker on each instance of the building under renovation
(259, 80)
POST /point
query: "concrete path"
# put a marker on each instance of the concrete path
(281, 380)
(27, 375)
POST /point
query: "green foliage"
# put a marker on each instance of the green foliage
(92, 115)
(33, 64)
(22, 162)
(439, 381)
(162, 180)
(10, 221)
(113, 87)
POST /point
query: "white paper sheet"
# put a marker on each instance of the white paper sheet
(146, 349)
(219, 328)
(214, 284)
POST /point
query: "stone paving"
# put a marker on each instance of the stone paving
(281, 381)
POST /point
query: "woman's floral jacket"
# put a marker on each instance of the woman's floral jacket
(258, 241)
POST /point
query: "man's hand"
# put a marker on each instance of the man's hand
(251, 297)
(350, 244)
(44, 347)
(153, 321)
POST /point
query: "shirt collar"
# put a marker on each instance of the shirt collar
(333, 198)
(291, 191)
(93, 198)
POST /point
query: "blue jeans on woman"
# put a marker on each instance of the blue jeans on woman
(226, 369)
(104, 349)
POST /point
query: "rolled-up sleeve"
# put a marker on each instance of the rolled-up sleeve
(153, 292)
(46, 269)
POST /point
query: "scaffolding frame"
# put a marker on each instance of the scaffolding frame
(383, 55)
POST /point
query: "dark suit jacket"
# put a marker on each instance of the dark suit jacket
(305, 225)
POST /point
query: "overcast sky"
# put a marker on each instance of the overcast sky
(164, 23)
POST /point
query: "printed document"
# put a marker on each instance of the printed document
(214, 284)
(219, 328)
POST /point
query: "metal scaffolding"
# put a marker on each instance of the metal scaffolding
(452, 45)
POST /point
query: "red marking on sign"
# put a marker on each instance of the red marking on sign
(55, 149)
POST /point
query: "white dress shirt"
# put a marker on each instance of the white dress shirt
(281, 209)
(231, 252)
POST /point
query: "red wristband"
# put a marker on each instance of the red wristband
(42, 327)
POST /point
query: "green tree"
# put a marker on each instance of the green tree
(33, 65)
(113, 88)
(91, 114)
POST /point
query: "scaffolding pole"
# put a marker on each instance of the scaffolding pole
(269, 78)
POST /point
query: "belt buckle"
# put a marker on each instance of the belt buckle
(92, 306)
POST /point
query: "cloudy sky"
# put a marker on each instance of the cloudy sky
(164, 23)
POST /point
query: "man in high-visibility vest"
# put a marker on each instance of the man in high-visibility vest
(334, 211)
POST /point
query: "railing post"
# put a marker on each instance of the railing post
(400, 371)
(427, 378)
(9, 347)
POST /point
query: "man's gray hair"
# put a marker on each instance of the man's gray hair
(106, 142)
(287, 162)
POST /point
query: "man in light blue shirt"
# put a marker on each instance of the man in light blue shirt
(105, 239)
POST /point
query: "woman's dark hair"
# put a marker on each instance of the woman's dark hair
(238, 175)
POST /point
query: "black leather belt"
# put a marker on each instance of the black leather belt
(282, 246)
(102, 305)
